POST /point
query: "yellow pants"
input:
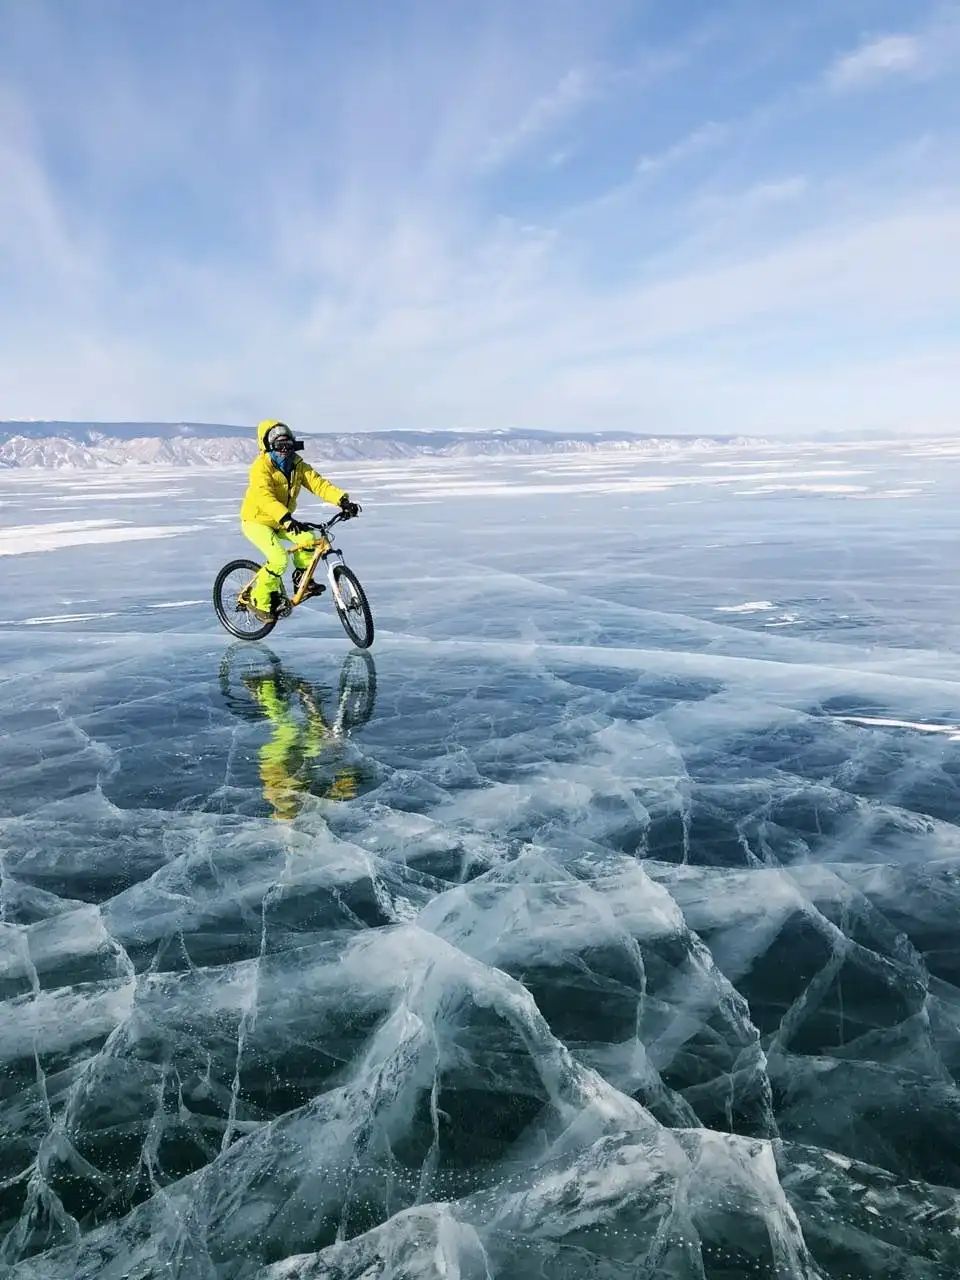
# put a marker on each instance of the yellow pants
(272, 545)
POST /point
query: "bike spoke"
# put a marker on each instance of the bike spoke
(235, 592)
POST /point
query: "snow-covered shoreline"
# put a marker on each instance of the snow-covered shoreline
(93, 446)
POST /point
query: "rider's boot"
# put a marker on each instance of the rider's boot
(264, 596)
(262, 615)
(314, 589)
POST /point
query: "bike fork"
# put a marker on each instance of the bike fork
(331, 578)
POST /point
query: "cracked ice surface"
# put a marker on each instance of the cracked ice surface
(590, 928)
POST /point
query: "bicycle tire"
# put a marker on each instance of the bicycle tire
(226, 611)
(358, 608)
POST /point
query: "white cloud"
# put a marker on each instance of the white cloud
(700, 139)
(35, 237)
(842, 272)
(573, 90)
(510, 338)
(779, 191)
(506, 335)
(760, 196)
(876, 60)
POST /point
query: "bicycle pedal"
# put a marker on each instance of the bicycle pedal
(279, 605)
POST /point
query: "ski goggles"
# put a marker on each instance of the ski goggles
(280, 439)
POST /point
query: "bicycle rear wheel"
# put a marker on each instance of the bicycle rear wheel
(355, 615)
(229, 601)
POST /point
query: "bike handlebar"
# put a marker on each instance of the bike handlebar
(306, 524)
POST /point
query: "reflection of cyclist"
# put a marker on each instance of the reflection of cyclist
(285, 757)
(266, 517)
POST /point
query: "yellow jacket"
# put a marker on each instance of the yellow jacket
(270, 494)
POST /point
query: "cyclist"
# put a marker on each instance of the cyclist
(266, 516)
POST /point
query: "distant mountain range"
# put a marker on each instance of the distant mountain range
(95, 445)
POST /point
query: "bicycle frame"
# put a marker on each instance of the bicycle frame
(324, 550)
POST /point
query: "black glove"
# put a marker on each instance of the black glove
(291, 525)
(349, 509)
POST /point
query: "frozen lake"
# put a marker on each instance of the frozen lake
(602, 923)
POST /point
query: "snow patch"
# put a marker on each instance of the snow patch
(749, 606)
(55, 618)
(24, 539)
(952, 731)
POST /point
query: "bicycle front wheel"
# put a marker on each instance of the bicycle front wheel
(355, 614)
(230, 601)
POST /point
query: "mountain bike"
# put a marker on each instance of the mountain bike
(231, 592)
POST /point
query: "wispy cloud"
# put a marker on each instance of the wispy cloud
(36, 239)
(765, 195)
(575, 88)
(929, 50)
(703, 138)
(876, 60)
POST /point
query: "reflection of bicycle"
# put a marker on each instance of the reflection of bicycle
(231, 593)
(242, 665)
(304, 752)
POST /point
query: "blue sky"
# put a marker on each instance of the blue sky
(737, 216)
